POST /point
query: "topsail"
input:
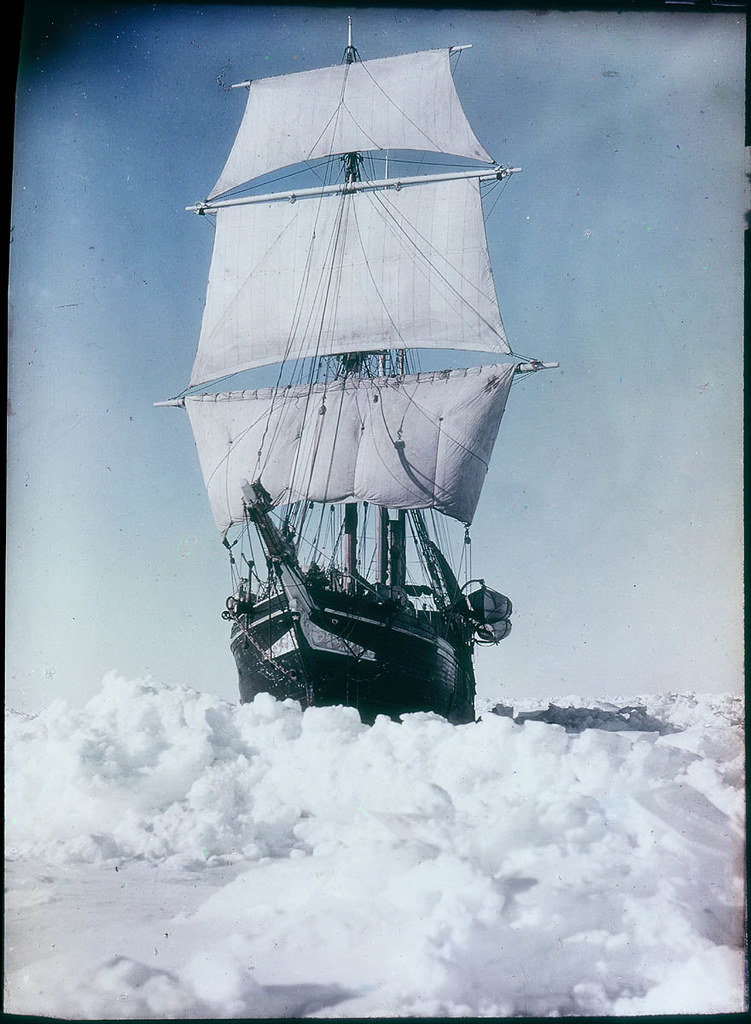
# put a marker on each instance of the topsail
(406, 102)
(353, 272)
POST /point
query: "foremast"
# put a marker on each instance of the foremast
(351, 362)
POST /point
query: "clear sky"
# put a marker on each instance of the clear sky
(612, 511)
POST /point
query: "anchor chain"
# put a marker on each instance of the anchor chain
(272, 670)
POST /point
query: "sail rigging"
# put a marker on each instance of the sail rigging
(351, 272)
(417, 441)
(335, 468)
(408, 102)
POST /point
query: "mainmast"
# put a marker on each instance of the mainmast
(351, 161)
(353, 361)
(391, 538)
(350, 53)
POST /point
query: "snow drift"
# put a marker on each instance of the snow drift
(173, 855)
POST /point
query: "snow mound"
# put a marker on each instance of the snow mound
(255, 861)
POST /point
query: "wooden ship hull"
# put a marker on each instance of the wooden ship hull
(360, 652)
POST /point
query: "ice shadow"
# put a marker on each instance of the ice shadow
(633, 718)
(302, 1000)
(150, 992)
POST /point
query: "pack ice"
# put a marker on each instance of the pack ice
(171, 855)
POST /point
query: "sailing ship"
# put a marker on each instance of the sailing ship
(332, 487)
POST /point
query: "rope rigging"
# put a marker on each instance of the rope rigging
(315, 312)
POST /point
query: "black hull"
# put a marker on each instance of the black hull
(362, 653)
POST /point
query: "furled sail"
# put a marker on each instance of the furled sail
(406, 102)
(349, 272)
(417, 441)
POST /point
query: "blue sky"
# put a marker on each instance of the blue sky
(612, 511)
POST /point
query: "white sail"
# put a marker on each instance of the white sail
(406, 102)
(351, 272)
(418, 441)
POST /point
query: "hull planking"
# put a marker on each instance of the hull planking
(377, 656)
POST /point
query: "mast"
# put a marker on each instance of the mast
(382, 545)
(382, 520)
(351, 161)
(391, 535)
(350, 546)
(397, 536)
(351, 362)
(350, 53)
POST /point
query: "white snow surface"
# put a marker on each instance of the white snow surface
(172, 855)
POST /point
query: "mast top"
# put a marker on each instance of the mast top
(350, 53)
